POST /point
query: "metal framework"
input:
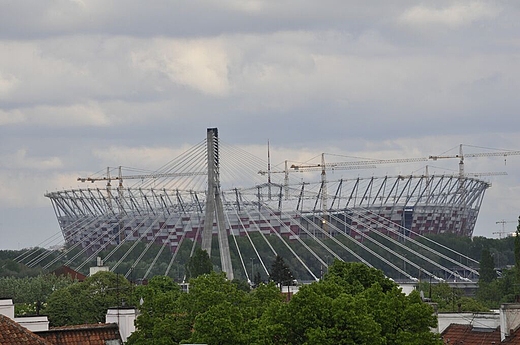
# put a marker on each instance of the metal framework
(346, 219)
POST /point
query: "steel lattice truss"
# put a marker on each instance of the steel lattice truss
(380, 221)
(395, 208)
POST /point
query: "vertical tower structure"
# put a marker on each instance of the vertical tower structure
(214, 208)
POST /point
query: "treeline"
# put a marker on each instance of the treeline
(353, 304)
(502, 250)
(145, 261)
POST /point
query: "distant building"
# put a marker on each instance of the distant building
(12, 333)
(67, 271)
(483, 329)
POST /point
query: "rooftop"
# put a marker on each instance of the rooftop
(14, 334)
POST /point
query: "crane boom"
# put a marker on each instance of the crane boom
(461, 156)
(139, 177)
(368, 163)
(120, 177)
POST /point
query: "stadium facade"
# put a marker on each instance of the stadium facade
(396, 206)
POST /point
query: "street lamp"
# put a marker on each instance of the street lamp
(252, 270)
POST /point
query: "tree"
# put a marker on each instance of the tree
(161, 319)
(199, 263)
(487, 267)
(280, 272)
(257, 279)
(353, 304)
(29, 294)
(88, 301)
(215, 311)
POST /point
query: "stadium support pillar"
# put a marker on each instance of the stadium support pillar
(214, 207)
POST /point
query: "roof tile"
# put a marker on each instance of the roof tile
(14, 334)
(89, 334)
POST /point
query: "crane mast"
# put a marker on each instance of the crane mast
(503, 222)
(461, 156)
(324, 166)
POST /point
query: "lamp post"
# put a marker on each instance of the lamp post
(252, 270)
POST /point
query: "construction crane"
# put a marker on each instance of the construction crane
(363, 164)
(497, 173)
(338, 165)
(308, 168)
(461, 156)
(323, 166)
(120, 177)
(503, 222)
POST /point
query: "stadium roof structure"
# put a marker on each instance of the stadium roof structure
(220, 197)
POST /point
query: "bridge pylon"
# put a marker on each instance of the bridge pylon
(214, 208)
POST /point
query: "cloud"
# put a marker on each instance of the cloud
(454, 16)
(76, 115)
(201, 64)
(26, 177)
(246, 6)
(20, 160)
(150, 158)
(8, 117)
(7, 83)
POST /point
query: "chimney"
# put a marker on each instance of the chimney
(7, 308)
(509, 319)
(99, 267)
(125, 319)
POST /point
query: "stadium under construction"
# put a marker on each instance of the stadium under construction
(221, 198)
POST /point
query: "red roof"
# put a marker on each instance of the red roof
(92, 334)
(470, 335)
(67, 271)
(14, 334)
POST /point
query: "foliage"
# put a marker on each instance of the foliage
(498, 291)
(487, 271)
(88, 301)
(11, 262)
(450, 299)
(353, 304)
(198, 264)
(29, 294)
(280, 272)
(241, 285)
(502, 249)
(161, 319)
(11, 268)
(212, 309)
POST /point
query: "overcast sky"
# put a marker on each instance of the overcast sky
(95, 83)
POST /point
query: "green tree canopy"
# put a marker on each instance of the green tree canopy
(280, 272)
(29, 294)
(353, 304)
(88, 301)
(198, 264)
(487, 271)
(161, 319)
